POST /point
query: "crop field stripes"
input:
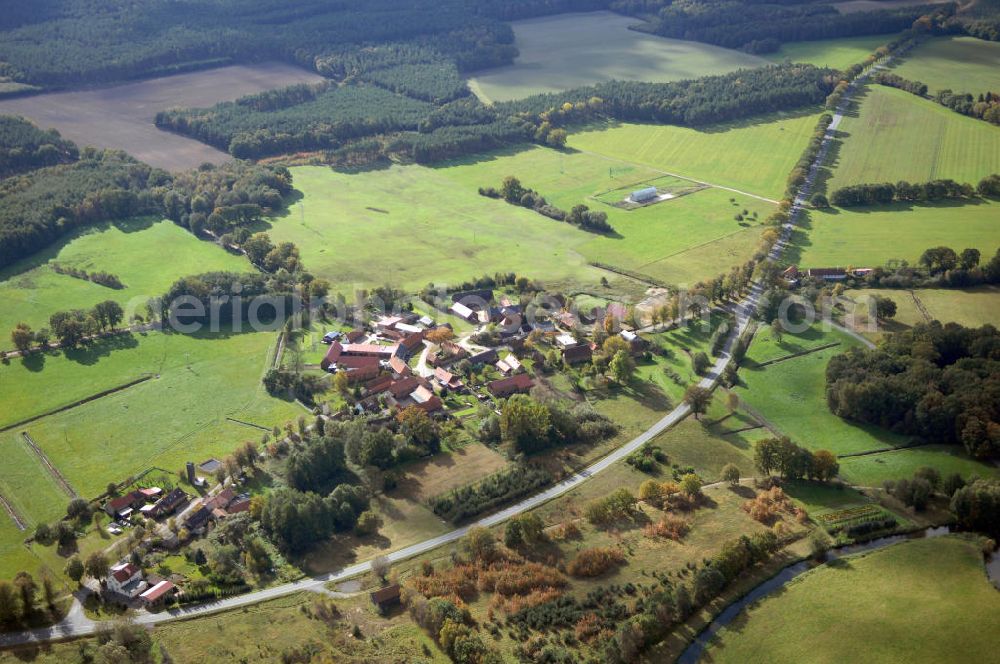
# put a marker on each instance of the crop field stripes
(53, 471)
(12, 513)
(78, 402)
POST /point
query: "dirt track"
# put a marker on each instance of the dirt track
(122, 116)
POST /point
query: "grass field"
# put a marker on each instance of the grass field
(752, 156)
(791, 394)
(836, 53)
(869, 237)
(870, 470)
(570, 50)
(937, 142)
(971, 307)
(121, 117)
(179, 415)
(434, 226)
(962, 64)
(907, 603)
(134, 250)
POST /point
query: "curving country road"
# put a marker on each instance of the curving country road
(77, 624)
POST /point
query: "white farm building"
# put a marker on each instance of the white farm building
(643, 195)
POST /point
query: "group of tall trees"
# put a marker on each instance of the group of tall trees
(512, 191)
(793, 462)
(884, 193)
(759, 27)
(24, 147)
(39, 207)
(939, 382)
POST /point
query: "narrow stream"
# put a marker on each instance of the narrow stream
(692, 654)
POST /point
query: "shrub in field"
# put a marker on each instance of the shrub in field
(595, 561)
(519, 579)
(618, 505)
(767, 505)
(670, 527)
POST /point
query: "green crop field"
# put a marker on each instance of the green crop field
(836, 53)
(179, 415)
(898, 136)
(26, 484)
(146, 255)
(871, 470)
(570, 50)
(791, 394)
(752, 156)
(970, 307)
(869, 237)
(962, 64)
(409, 225)
(908, 603)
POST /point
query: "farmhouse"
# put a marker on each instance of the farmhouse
(507, 386)
(122, 506)
(125, 579)
(399, 366)
(644, 195)
(485, 357)
(447, 379)
(168, 503)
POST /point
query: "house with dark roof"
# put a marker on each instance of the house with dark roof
(198, 519)
(488, 356)
(827, 273)
(513, 385)
(122, 506)
(354, 335)
(169, 503)
(577, 354)
(385, 598)
(410, 344)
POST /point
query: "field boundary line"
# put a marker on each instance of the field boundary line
(920, 306)
(882, 450)
(631, 274)
(53, 471)
(14, 516)
(692, 248)
(801, 353)
(78, 402)
(678, 175)
(248, 424)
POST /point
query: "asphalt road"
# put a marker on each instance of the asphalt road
(78, 624)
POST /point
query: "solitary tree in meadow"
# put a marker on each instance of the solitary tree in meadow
(698, 400)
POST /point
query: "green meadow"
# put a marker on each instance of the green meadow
(571, 50)
(971, 307)
(868, 237)
(182, 414)
(925, 600)
(147, 255)
(410, 225)
(961, 64)
(754, 156)
(791, 394)
(872, 469)
(895, 135)
(835, 53)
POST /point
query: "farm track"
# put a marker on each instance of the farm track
(49, 466)
(801, 353)
(14, 516)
